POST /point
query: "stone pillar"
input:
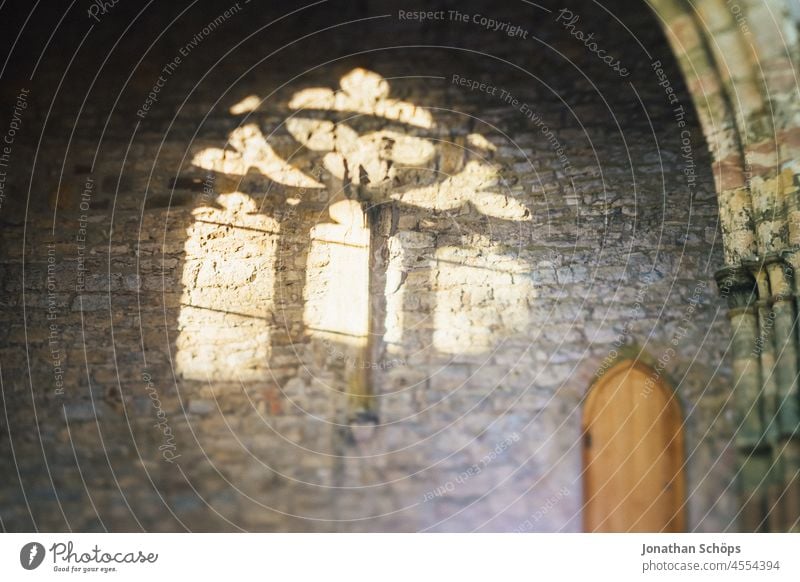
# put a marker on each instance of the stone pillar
(765, 346)
(739, 71)
(790, 409)
(739, 288)
(785, 343)
(790, 505)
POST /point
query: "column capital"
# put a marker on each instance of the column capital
(737, 285)
(791, 256)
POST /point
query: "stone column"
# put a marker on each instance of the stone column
(740, 75)
(739, 288)
(769, 391)
(785, 342)
(789, 444)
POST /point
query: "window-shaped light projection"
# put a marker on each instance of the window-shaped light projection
(633, 453)
(377, 159)
(337, 281)
(228, 282)
(365, 148)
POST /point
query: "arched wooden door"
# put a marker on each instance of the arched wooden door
(633, 453)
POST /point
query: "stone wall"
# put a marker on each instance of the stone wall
(190, 293)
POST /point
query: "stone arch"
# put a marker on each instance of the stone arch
(740, 60)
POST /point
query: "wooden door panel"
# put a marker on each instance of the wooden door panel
(633, 453)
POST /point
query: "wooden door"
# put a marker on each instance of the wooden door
(633, 453)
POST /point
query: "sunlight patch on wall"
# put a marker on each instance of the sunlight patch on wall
(476, 184)
(352, 156)
(251, 150)
(359, 134)
(228, 282)
(363, 92)
(246, 105)
(395, 293)
(337, 283)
